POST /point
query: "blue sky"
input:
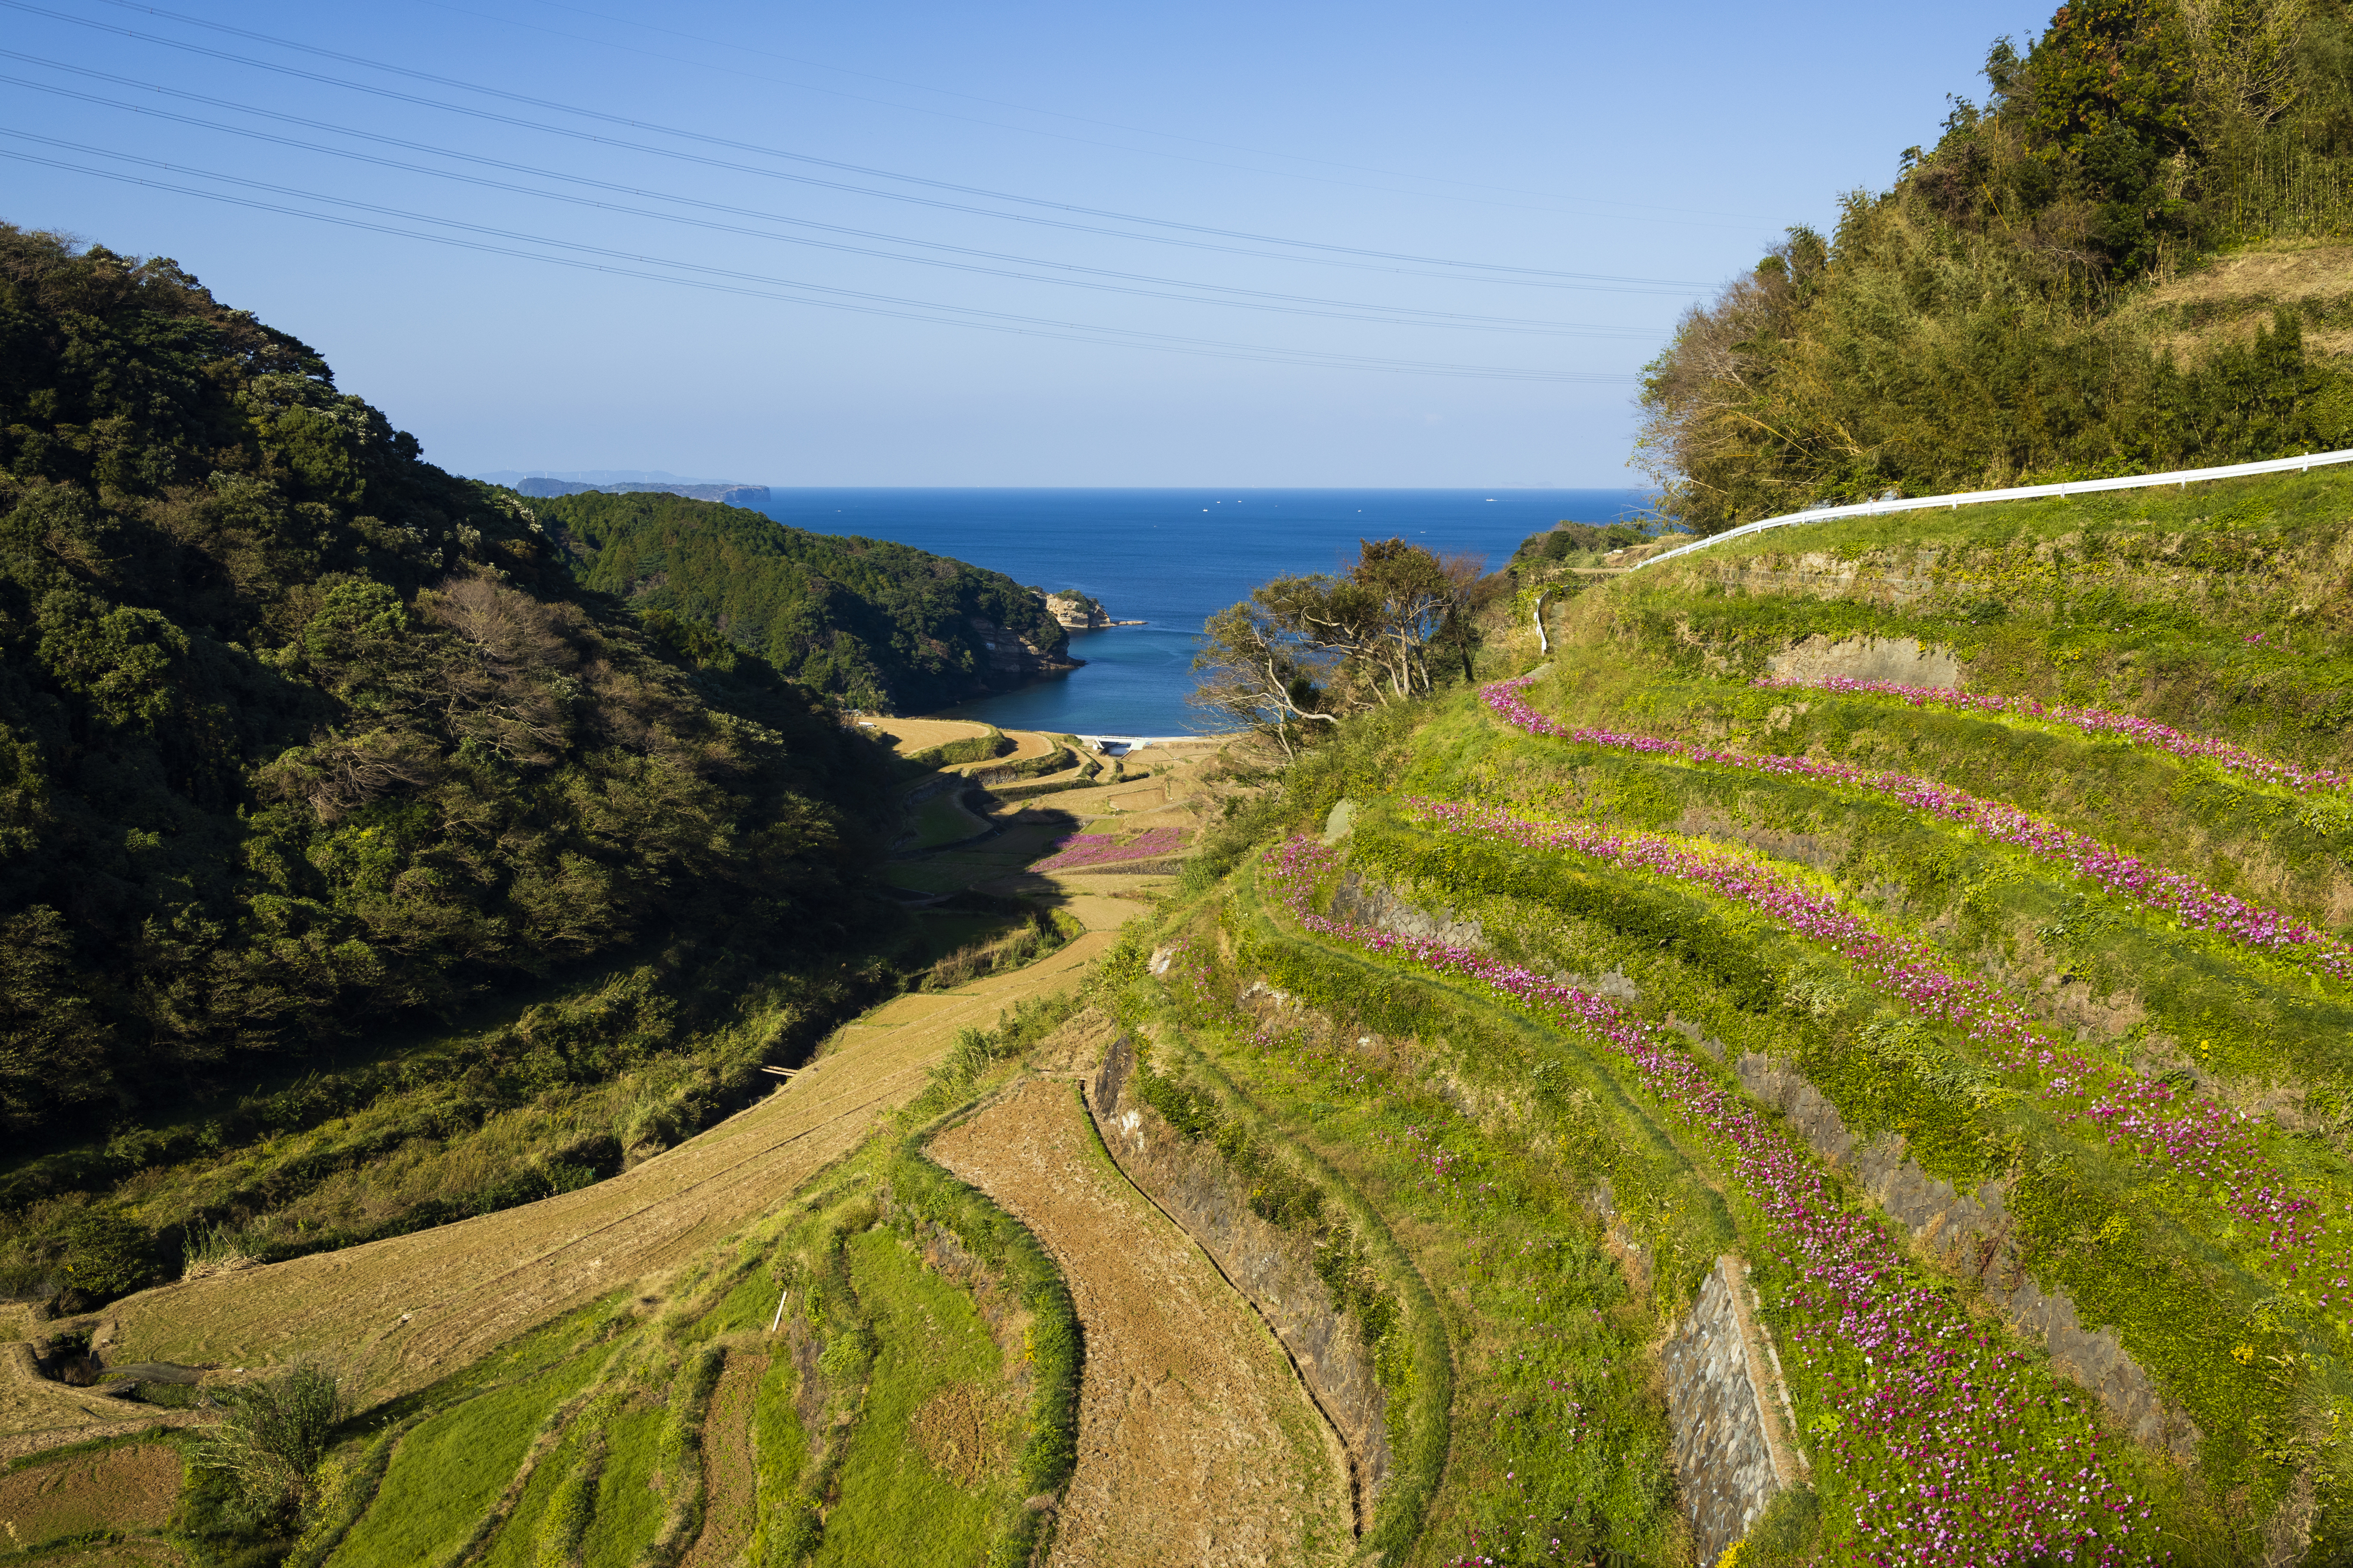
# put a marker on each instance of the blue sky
(1374, 245)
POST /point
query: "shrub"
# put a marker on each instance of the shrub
(275, 1432)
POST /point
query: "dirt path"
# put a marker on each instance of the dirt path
(727, 1462)
(1197, 1445)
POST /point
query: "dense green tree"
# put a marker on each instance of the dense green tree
(300, 735)
(880, 625)
(1974, 325)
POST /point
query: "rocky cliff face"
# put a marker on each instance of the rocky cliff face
(1077, 611)
(1013, 658)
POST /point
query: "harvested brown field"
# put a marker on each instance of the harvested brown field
(727, 1463)
(909, 736)
(1197, 1444)
(404, 1312)
(128, 1488)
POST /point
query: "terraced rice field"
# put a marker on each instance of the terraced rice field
(1197, 1444)
(127, 1487)
(405, 1311)
(1980, 1042)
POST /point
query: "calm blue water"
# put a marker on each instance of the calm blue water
(1172, 558)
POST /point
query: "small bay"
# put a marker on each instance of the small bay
(1170, 558)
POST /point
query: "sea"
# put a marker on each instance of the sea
(1170, 558)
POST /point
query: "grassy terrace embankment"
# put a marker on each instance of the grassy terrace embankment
(2085, 971)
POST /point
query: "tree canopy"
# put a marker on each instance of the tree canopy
(1302, 651)
(1974, 324)
(882, 626)
(300, 735)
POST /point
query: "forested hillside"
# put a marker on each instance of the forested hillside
(2034, 298)
(884, 626)
(303, 738)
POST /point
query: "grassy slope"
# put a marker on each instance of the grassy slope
(932, 1339)
(2223, 611)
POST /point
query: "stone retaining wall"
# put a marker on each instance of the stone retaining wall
(1734, 1450)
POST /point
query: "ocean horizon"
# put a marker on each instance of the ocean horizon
(1170, 558)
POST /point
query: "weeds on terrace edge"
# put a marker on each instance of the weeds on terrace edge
(1951, 1449)
(1049, 930)
(2210, 1146)
(271, 1442)
(1558, 1451)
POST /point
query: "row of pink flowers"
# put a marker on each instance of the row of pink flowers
(2189, 901)
(1932, 1428)
(2093, 721)
(1906, 969)
(1075, 849)
(2185, 1134)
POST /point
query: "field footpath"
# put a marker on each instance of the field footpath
(398, 1313)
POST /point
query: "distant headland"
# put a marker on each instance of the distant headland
(730, 495)
(1080, 612)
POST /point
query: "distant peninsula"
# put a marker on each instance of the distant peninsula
(879, 626)
(541, 488)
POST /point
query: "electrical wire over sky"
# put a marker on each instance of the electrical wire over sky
(1048, 243)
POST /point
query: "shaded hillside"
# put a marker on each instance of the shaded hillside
(2022, 304)
(301, 736)
(880, 625)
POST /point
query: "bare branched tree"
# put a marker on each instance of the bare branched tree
(1258, 670)
(1302, 651)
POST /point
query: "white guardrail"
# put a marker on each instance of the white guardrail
(2184, 478)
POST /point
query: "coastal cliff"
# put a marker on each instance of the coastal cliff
(1080, 612)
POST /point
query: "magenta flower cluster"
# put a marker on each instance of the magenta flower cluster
(2187, 1134)
(2190, 901)
(2093, 721)
(1075, 849)
(1933, 1421)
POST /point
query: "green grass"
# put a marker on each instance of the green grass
(628, 1510)
(896, 1506)
(516, 1545)
(445, 1474)
(940, 820)
(1538, 1314)
(780, 1451)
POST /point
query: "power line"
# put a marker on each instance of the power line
(1722, 219)
(596, 139)
(1248, 298)
(1503, 272)
(716, 280)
